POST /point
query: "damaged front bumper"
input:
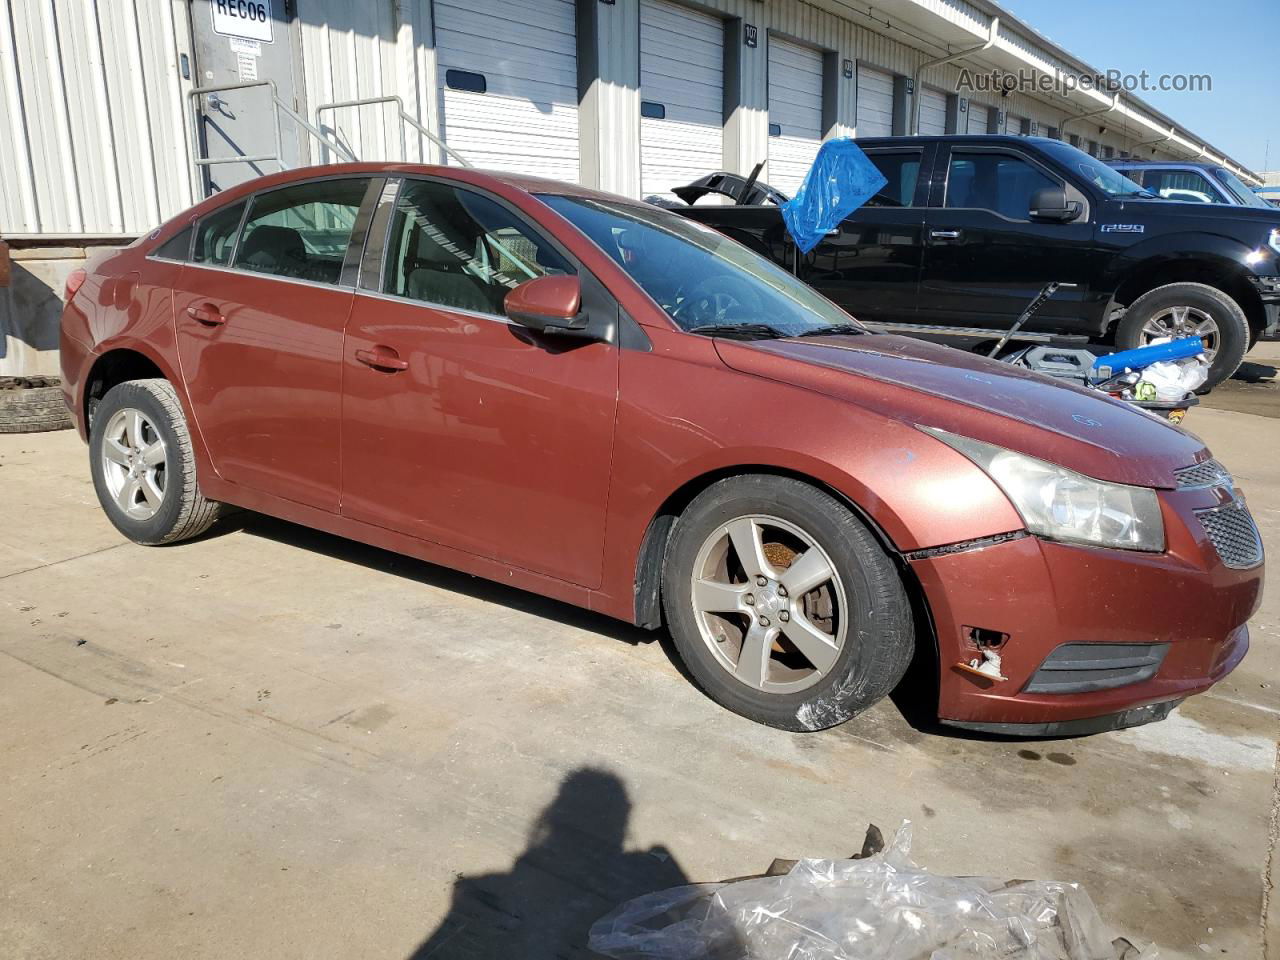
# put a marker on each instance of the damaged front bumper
(1088, 639)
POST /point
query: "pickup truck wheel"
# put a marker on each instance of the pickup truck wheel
(782, 604)
(144, 470)
(1189, 310)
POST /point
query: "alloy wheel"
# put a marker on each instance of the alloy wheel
(1176, 322)
(769, 604)
(134, 463)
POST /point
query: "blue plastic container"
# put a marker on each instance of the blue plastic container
(1143, 357)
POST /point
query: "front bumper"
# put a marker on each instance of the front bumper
(1268, 289)
(1042, 595)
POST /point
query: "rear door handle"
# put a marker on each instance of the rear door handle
(207, 314)
(944, 234)
(382, 358)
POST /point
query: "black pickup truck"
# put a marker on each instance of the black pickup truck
(969, 228)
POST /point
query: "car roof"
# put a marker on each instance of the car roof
(1188, 164)
(491, 179)
(1008, 138)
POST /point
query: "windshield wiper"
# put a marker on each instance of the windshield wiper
(740, 331)
(835, 330)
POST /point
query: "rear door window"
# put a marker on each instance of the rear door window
(460, 249)
(216, 236)
(302, 231)
(177, 247)
(1000, 182)
(902, 171)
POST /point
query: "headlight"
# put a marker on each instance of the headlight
(1273, 241)
(1060, 504)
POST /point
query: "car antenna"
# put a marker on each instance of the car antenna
(745, 192)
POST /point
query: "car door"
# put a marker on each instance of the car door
(459, 426)
(870, 265)
(259, 312)
(985, 257)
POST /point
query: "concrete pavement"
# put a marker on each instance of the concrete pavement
(275, 743)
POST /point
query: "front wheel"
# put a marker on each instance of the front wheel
(1189, 310)
(783, 605)
(144, 470)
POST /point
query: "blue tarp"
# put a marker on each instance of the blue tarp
(841, 180)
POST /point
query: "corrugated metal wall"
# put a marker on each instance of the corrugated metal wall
(91, 116)
(95, 129)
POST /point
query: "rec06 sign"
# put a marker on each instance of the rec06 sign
(242, 18)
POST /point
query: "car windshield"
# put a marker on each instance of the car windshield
(701, 278)
(1238, 188)
(1107, 179)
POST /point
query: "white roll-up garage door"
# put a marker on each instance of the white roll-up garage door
(979, 117)
(508, 77)
(875, 102)
(681, 96)
(933, 112)
(795, 112)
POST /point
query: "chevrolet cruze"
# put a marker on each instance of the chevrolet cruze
(603, 402)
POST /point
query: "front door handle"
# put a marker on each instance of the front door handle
(207, 314)
(382, 358)
(944, 234)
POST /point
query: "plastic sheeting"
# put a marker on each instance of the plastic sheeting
(841, 180)
(883, 907)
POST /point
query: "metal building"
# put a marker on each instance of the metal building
(119, 113)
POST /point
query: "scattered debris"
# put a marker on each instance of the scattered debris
(875, 906)
(988, 666)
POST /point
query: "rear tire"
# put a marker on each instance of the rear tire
(1199, 305)
(143, 465)
(853, 632)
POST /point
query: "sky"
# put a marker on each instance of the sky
(1234, 41)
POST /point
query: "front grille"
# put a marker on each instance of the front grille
(1233, 534)
(1085, 667)
(1208, 474)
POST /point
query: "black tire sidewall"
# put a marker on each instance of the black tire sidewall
(1233, 326)
(155, 529)
(878, 635)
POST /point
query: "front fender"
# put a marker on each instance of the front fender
(917, 491)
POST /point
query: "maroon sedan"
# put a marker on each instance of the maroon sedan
(600, 401)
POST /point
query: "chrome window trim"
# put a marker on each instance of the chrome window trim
(432, 305)
(241, 272)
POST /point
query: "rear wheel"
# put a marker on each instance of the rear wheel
(783, 605)
(143, 466)
(1189, 310)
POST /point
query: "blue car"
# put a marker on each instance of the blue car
(1195, 182)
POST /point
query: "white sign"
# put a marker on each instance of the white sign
(240, 45)
(246, 67)
(242, 18)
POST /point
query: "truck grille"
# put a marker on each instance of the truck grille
(1208, 474)
(1233, 534)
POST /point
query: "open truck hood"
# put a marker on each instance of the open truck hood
(932, 385)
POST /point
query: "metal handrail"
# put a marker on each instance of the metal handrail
(279, 105)
(404, 118)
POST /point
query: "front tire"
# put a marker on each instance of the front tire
(1189, 309)
(783, 606)
(143, 466)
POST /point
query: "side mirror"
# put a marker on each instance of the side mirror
(552, 303)
(1051, 204)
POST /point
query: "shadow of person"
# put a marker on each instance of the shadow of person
(573, 871)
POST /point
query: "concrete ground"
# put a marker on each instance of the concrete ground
(275, 743)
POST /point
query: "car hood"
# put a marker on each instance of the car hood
(931, 385)
(1196, 212)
